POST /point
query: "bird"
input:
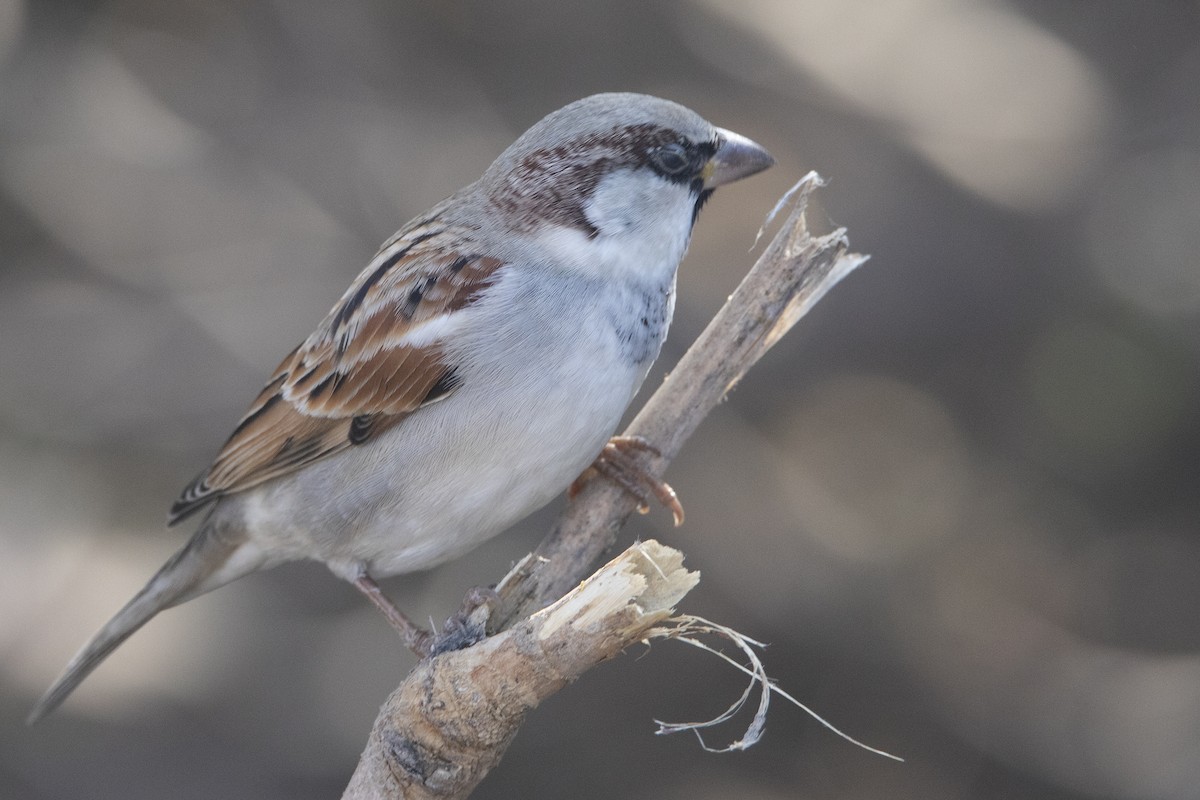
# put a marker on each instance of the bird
(473, 370)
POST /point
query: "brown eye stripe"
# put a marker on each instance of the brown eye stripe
(553, 184)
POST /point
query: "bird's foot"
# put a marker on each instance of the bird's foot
(467, 626)
(619, 462)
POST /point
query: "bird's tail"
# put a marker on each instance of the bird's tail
(213, 556)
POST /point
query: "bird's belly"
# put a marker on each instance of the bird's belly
(547, 368)
(447, 478)
(470, 492)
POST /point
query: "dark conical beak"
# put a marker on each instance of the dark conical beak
(737, 157)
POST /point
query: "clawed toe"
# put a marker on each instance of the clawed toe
(618, 462)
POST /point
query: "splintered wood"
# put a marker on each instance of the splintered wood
(454, 715)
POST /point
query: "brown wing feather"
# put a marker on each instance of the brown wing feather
(359, 373)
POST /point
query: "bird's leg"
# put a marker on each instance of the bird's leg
(466, 627)
(618, 462)
(415, 638)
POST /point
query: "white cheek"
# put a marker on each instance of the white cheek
(642, 225)
(639, 203)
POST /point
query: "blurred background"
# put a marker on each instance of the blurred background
(960, 500)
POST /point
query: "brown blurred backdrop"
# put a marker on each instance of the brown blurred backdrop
(960, 501)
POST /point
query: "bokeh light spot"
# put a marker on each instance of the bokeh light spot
(1143, 234)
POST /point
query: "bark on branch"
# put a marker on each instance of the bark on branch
(453, 717)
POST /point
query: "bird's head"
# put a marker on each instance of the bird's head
(626, 171)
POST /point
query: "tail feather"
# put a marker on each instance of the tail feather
(211, 558)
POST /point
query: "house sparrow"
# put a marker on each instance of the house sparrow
(477, 365)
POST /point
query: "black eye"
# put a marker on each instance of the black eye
(671, 159)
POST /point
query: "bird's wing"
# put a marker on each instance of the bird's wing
(378, 356)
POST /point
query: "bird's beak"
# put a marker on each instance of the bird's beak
(737, 157)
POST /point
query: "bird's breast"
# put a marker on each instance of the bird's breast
(547, 370)
(639, 319)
